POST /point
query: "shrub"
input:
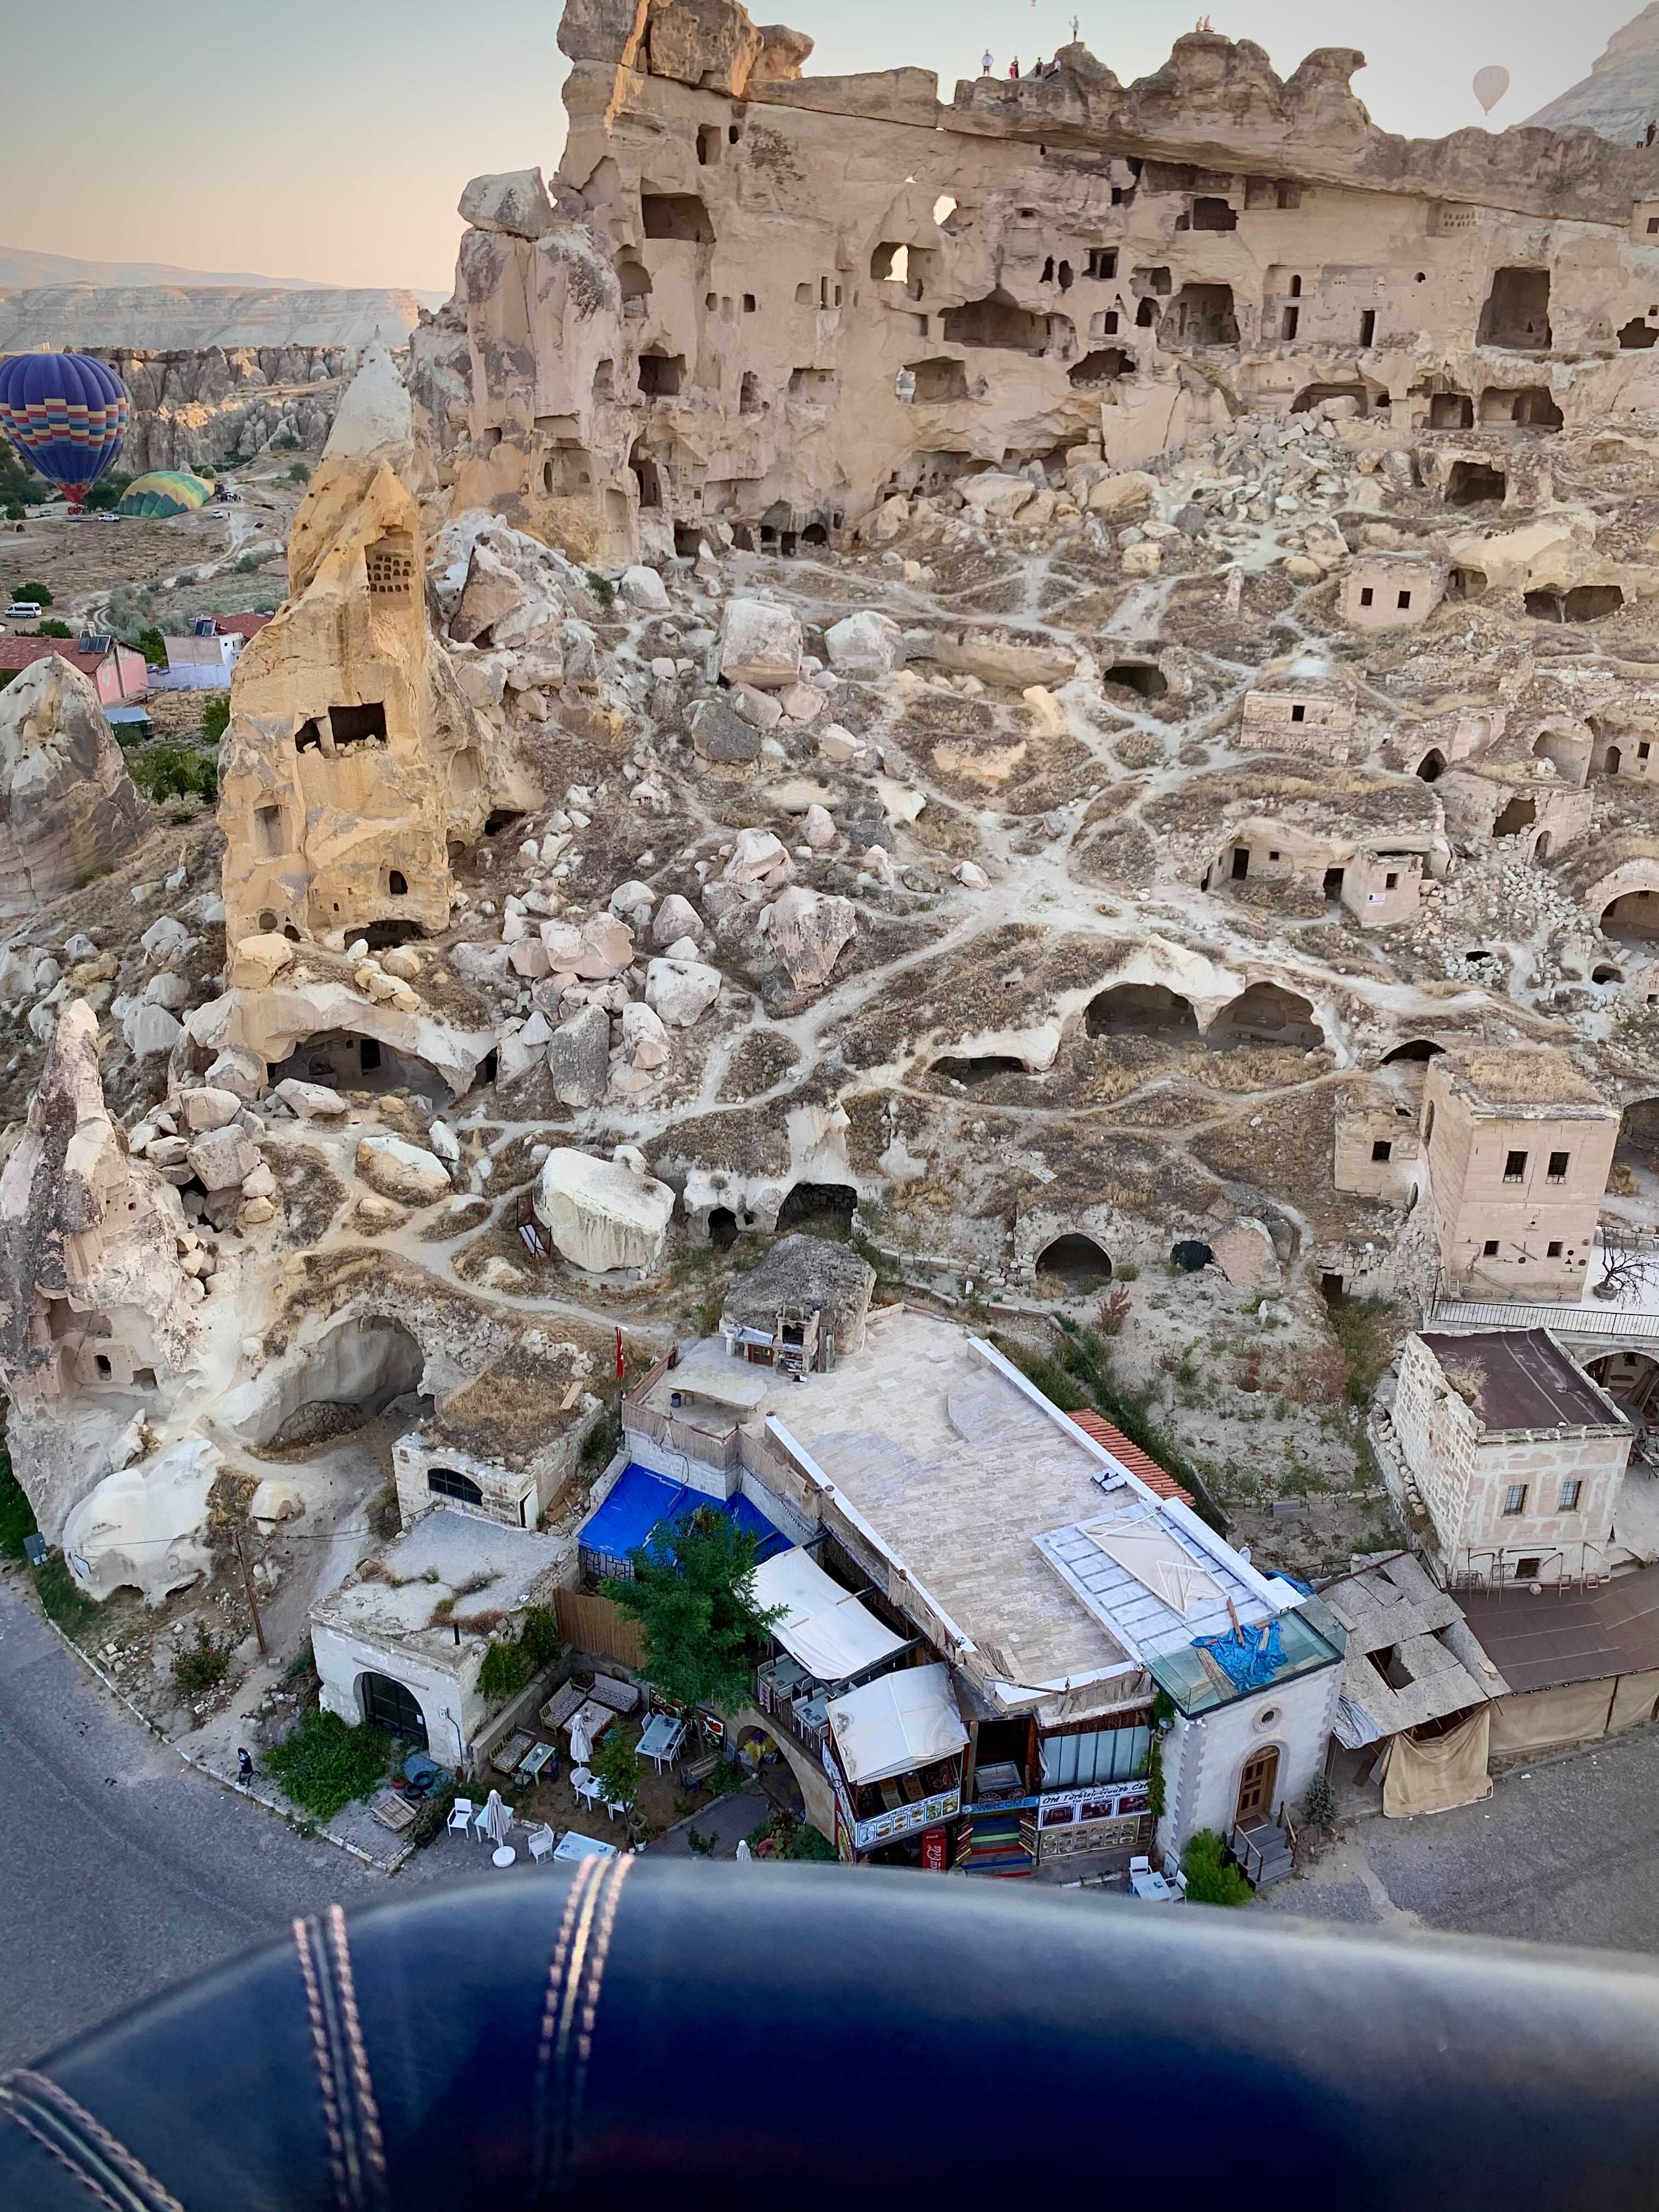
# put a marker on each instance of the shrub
(323, 1764)
(505, 1671)
(62, 1600)
(215, 719)
(602, 588)
(1319, 1803)
(299, 473)
(539, 1638)
(1114, 1311)
(287, 443)
(200, 1666)
(618, 1764)
(51, 629)
(1212, 1879)
(38, 592)
(599, 1444)
(151, 643)
(16, 1514)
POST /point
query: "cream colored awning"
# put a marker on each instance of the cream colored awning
(1156, 1560)
(895, 1724)
(823, 1627)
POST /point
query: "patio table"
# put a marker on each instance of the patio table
(538, 1757)
(570, 1845)
(1152, 1888)
(663, 1734)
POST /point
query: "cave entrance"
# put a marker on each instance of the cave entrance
(1471, 482)
(1077, 1262)
(1267, 1014)
(1632, 918)
(345, 1060)
(1432, 766)
(1518, 817)
(1450, 411)
(996, 320)
(985, 1067)
(1202, 315)
(354, 1373)
(1416, 1049)
(936, 382)
(381, 936)
(1140, 1010)
(1466, 584)
(819, 1209)
(722, 1228)
(1516, 314)
(1144, 677)
(1104, 366)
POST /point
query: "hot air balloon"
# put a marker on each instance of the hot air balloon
(1491, 84)
(66, 415)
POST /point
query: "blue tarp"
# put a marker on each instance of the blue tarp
(639, 1501)
(1251, 1659)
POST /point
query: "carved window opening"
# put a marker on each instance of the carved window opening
(1517, 314)
(749, 397)
(357, 725)
(661, 374)
(1102, 262)
(390, 563)
(397, 883)
(679, 216)
(267, 838)
(937, 381)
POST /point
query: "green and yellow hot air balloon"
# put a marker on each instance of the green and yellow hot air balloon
(165, 492)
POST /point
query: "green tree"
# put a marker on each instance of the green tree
(216, 718)
(617, 1765)
(38, 592)
(693, 1595)
(53, 628)
(153, 646)
(106, 492)
(1211, 1879)
(299, 473)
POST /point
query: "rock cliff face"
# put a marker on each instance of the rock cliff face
(68, 807)
(92, 1297)
(1621, 96)
(194, 408)
(91, 318)
(758, 301)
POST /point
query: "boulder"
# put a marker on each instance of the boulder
(606, 949)
(681, 990)
(865, 644)
(708, 43)
(275, 1500)
(145, 1527)
(675, 918)
(991, 493)
(222, 1159)
(602, 1216)
(809, 931)
(643, 589)
(818, 828)
(1246, 1257)
(400, 1170)
(68, 807)
(722, 739)
(209, 1109)
(760, 644)
(258, 962)
(1121, 494)
(756, 854)
(514, 204)
(644, 1038)
(579, 1057)
(310, 1101)
(149, 1031)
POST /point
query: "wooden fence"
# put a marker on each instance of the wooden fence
(593, 1623)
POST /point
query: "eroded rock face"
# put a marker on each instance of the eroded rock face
(68, 807)
(602, 1216)
(144, 1526)
(93, 1296)
(398, 1169)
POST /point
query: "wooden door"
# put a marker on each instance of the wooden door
(1255, 1786)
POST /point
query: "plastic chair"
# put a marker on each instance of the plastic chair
(460, 1815)
(1140, 1866)
(542, 1841)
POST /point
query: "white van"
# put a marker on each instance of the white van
(26, 609)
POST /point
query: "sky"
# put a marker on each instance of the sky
(330, 139)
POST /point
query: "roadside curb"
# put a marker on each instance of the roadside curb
(281, 1812)
(107, 1680)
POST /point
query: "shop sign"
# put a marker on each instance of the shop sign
(887, 1827)
(1065, 1808)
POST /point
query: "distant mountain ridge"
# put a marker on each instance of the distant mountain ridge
(20, 267)
(175, 318)
(1619, 98)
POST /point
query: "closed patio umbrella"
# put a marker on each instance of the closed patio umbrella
(497, 1819)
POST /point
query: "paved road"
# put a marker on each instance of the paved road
(120, 1869)
(1566, 1852)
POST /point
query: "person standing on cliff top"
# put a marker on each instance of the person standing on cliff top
(985, 63)
(1014, 66)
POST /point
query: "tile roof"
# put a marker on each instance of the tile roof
(240, 625)
(24, 652)
(1131, 1456)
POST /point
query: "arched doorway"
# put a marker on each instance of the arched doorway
(1610, 761)
(1140, 1010)
(1540, 851)
(1632, 918)
(1258, 1781)
(1415, 1049)
(722, 1228)
(1432, 766)
(1266, 1014)
(820, 1209)
(1076, 1263)
(387, 1705)
(1631, 1379)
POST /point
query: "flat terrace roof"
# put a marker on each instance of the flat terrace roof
(1527, 1380)
(1547, 1641)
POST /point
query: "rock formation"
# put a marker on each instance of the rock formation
(1619, 98)
(68, 807)
(602, 1215)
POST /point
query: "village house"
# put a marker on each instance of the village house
(116, 672)
(1391, 591)
(982, 1601)
(1299, 710)
(1517, 1457)
(1518, 1146)
(203, 660)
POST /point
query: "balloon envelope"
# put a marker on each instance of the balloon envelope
(165, 492)
(1490, 86)
(66, 415)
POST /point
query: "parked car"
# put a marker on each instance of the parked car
(26, 609)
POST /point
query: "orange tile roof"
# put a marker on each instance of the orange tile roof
(1104, 1432)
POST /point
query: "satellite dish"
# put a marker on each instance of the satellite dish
(1491, 84)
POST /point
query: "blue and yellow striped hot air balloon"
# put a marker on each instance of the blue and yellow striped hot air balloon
(165, 492)
(66, 414)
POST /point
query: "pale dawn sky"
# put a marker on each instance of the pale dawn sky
(330, 139)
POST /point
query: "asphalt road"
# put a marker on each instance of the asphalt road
(121, 1870)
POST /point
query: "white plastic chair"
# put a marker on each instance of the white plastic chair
(1139, 1865)
(460, 1815)
(542, 1842)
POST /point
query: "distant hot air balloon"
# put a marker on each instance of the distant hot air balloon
(66, 415)
(1491, 84)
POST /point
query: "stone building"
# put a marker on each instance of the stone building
(802, 1308)
(1378, 1151)
(1391, 591)
(353, 759)
(1298, 712)
(1518, 1145)
(1517, 1456)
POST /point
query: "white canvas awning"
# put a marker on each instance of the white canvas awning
(825, 1627)
(894, 1725)
(1156, 1560)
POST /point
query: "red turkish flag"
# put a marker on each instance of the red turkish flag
(621, 1363)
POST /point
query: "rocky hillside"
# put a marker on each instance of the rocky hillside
(161, 318)
(192, 408)
(1621, 96)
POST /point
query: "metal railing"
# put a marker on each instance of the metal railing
(1565, 1320)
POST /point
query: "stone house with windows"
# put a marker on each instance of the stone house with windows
(1296, 711)
(1391, 591)
(1518, 1457)
(1518, 1145)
